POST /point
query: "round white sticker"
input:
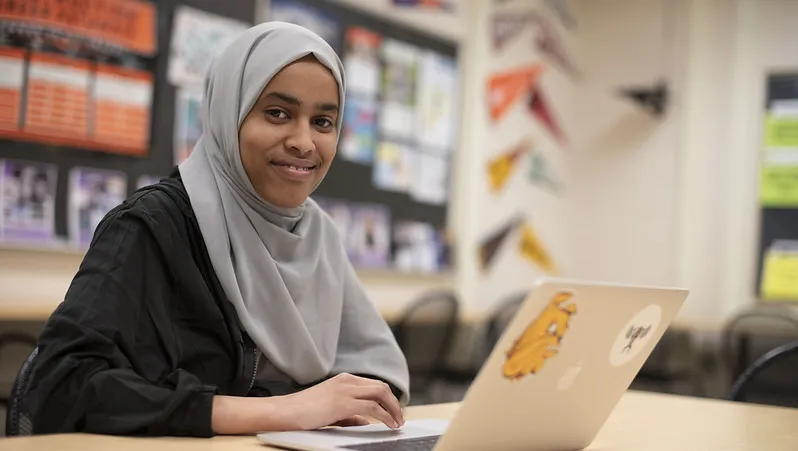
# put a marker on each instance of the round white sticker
(635, 335)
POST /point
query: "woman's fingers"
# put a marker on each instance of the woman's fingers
(376, 411)
(382, 395)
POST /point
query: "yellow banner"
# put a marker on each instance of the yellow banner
(533, 249)
(501, 167)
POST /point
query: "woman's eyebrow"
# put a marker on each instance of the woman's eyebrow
(282, 96)
(287, 98)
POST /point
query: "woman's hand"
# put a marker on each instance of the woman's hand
(343, 400)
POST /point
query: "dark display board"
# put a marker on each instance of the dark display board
(779, 211)
(402, 227)
(353, 181)
(159, 159)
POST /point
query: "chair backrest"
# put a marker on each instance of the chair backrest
(427, 330)
(18, 422)
(502, 315)
(780, 325)
(752, 385)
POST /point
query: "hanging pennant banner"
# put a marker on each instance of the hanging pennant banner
(540, 173)
(500, 168)
(507, 26)
(560, 8)
(127, 24)
(490, 245)
(505, 88)
(533, 250)
(540, 109)
(550, 44)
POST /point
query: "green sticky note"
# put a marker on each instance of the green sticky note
(779, 186)
(781, 131)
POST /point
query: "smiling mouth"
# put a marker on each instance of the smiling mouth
(296, 168)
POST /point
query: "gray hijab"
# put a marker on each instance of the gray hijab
(284, 269)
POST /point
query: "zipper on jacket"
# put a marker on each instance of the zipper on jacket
(254, 369)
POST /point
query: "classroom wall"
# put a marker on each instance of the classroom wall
(43, 275)
(662, 201)
(674, 200)
(542, 209)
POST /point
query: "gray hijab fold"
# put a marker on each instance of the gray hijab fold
(284, 269)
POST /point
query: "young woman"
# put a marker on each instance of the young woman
(221, 301)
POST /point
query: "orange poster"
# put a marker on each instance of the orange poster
(57, 97)
(123, 98)
(12, 74)
(505, 88)
(129, 24)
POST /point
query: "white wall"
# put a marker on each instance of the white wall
(623, 197)
(675, 201)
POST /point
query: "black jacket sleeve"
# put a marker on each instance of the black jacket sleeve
(107, 360)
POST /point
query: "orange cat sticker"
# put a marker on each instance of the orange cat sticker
(541, 339)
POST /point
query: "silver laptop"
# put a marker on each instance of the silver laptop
(556, 374)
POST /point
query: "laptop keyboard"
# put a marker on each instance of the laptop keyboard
(405, 444)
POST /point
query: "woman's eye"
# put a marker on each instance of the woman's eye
(324, 123)
(277, 114)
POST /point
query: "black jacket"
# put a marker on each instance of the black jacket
(145, 336)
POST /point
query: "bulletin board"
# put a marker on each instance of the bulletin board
(777, 269)
(100, 110)
(394, 162)
(46, 125)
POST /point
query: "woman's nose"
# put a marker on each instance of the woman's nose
(301, 139)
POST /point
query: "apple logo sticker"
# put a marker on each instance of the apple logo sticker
(635, 335)
(569, 377)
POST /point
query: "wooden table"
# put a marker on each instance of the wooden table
(641, 421)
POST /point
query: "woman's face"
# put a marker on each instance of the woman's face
(288, 139)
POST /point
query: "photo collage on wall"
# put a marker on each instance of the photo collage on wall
(373, 240)
(27, 200)
(71, 77)
(400, 120)
(197, 37)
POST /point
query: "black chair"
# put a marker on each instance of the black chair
(674, 366)
(780, 388)
(425, 334)
(18, 422)
(497, 321)
(15, 338)
(770, 326)
(500, 319)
